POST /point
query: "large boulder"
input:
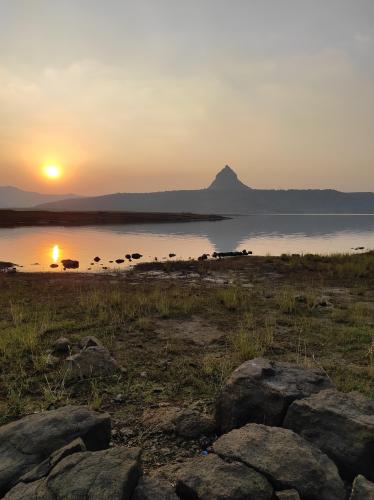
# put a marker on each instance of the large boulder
(362, 489)
(153, 489)
(211, 478)
(261, 391)
(30, 440)
(110, 474)
(285, 458)
(342, 425)
(91, 362)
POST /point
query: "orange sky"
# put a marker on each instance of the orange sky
(143, 96)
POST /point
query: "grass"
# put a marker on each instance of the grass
(125, 312)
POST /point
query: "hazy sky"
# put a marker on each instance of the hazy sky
(148, 95)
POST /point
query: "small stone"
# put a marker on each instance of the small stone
(62, 345)
(90, 341)
(92, 361)
(191, 424)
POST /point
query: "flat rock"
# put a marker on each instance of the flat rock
(110, 474)
(362, 489)
(341, 425)
(30, 440)
(285, 458)
(261, 391)
(153, 489)
(211, 478)
(91, 362)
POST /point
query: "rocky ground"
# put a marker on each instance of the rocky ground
(152, 351)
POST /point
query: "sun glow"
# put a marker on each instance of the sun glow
(52, 171)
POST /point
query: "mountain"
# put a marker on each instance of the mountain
(227, 180)
(12, 197)
(226, 195)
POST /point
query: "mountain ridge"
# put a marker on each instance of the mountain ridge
(225, 195)
(14, 197)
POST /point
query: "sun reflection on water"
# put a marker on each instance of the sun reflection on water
(55, 253)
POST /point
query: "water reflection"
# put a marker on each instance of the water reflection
(55, 254)
(265, 234)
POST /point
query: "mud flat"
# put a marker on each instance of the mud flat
(20, 218)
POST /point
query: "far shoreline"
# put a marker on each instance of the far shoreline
(44, 218)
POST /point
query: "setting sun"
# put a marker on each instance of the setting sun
(52, 171)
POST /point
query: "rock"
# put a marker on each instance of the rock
(120, 261)
(51, 361)
(211, 478)
(53, 266)
(362, 489)
(111, 474)
(191, 424)
(70, 264)
(285, 458)
(261, 391)
(341, 425)
(97, 259)
(322, 302)
(44, 468)
(153, 489)
(30, 440)
(92, 361)
(62, 345)
(287, 495)
(90, 341)
(136, 256)
(6, 266)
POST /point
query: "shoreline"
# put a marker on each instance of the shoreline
(44, 218)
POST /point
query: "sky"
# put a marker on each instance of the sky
(151, 95)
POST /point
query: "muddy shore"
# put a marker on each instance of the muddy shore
(20, 218)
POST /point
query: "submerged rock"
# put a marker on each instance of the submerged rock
(342, 425)
(285, 458)
(136, 256)
(70, 264)
(261, 391)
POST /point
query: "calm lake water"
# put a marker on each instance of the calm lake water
(37, 247)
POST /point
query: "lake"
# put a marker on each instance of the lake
(36, 248)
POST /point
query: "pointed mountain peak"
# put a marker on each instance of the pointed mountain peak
(226, 179)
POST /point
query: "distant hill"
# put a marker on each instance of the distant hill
(12, 197)
(226, 195)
